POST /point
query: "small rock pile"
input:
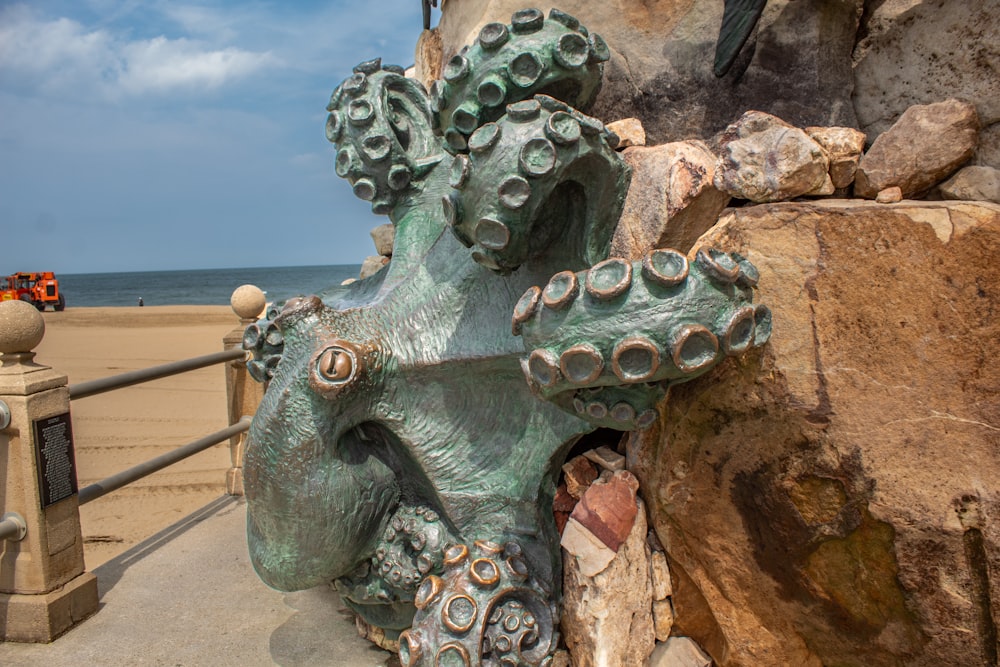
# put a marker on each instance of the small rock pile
(616, 581)
(679, 189)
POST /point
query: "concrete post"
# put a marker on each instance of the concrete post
(44, 589)
(243, 393)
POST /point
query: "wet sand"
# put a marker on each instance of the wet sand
(119, 429)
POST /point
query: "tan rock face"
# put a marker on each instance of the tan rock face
(764, 159)
(923, 51)
(925, 146)
(671, 201)
(661, 67)
(832, 499)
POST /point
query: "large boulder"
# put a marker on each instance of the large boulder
(797, 64)
(764, 159)
(923, 51)
(832, 498)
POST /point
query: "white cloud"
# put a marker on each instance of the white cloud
(161, 64)
(61, 56)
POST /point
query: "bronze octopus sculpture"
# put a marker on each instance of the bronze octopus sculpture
(414, 424)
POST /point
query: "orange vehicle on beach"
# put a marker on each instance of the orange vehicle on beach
(40, 289)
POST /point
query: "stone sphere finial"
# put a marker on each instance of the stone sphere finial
(21, 327)
(247, 301)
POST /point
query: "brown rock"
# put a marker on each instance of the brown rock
(828, 499)
(606, 619)
(607, 509)
(764, 159)
(973, 183)
(889, 195)
(926, 145)
(797, 64)
(580, 473)
(843, 147)
(925, 51)
(629, 131)
(672, 199)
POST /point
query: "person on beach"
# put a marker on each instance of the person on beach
(140, 302)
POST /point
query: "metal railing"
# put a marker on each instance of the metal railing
(101, 385)
(12, 525)
(118, 480)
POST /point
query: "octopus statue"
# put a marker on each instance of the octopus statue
(414, 424)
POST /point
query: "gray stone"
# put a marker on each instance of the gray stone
(923, 51)
(925, 146)
(764, 159)
(679, 652)
(973, 183)
(671, 201)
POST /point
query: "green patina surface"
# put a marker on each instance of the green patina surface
(414, 424)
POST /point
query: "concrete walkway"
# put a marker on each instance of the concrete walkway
(188, 597)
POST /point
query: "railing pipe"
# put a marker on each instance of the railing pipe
(98, 489)
(12, 527)
(92, 387)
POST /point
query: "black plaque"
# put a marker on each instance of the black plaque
(54, 455)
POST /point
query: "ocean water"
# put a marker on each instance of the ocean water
(204, 287)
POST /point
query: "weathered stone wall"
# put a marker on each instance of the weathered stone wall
(797, 65)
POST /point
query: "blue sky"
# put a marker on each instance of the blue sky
(156, 135)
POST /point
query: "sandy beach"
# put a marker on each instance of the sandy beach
(119, 429)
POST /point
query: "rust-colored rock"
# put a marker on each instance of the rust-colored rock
(925, 146)
(672, 199)
(831, 499)
(764, 159)
(607, 509)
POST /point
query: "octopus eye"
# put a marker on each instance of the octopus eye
(335, 365)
